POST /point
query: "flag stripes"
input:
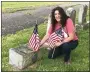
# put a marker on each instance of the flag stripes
(34, 42)
(53, 39)
(57, 37)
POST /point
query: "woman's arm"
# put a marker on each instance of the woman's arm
(71, 37)
(44, 39)
(46, 36)
(71, 32)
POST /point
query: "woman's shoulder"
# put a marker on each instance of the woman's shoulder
(69, 19)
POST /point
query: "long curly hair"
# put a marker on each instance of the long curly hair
(63, 17)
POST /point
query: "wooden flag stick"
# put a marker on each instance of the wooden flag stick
(36, 22)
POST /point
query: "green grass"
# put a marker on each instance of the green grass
(14, 40)
(79, 56)
(10, 7)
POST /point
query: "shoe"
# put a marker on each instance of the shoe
(68, 62)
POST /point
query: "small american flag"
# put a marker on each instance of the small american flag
(57, 36)
(34, 42)
(53, 39)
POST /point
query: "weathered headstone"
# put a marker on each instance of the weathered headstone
(49, 22)
(78, 27)
(22, 57)
(71, 12)
(82, 14)
(86, 25)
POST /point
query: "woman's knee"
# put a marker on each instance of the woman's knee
(66, 48)
(65, 45)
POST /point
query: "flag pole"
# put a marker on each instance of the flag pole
(36, 30)
(53, 52)
(35, 35)
(36, 22)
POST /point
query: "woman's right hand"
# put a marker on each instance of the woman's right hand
(41, 44)
(44, 39)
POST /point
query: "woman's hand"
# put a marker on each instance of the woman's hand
(44, 39)
(41, 44)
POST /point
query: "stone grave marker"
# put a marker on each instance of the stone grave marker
(82, 14)
(49, 22)
(22, 57)
(71, 12)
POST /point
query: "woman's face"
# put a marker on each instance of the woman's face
(57, 16)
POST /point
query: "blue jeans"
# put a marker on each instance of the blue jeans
(65, 49)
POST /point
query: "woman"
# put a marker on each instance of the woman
(59, 19)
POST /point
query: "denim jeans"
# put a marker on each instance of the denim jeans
(65, 49)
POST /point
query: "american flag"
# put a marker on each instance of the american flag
(57, 36)
(34, 42)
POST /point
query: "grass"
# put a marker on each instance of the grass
(11, 41)
(79, 56)
(10, 7)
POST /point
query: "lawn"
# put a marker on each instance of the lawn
(79, 57)
(10, 7)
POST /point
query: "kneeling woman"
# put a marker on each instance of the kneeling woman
(59, 19)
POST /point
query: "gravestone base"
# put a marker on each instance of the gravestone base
(78, 27)
(22, 57)
(86, 26)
